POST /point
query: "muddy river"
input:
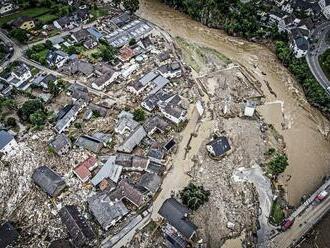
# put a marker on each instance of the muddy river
(303, 128)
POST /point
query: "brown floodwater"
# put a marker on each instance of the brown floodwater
(305, 128)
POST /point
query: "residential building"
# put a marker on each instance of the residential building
(219, 146)
(105, 80)
(176, 215)
(64, 23)
(69, 116)
(24, 22)
(150, 182)
(83, 170)
(132, 162)
(77, 226)
(48, 180)
(174, 113)
(299, 43)
(128, 191)
(61, 144)
(325, 7)
(155, 124)
(106, 212)
(172, 70)
(126, 123)
(8, 235)
(19, 76)
(80, 35)
(6, 8)
(8, 144)
(134, 139)
(56, 58)
(109, 170)
(89, 143)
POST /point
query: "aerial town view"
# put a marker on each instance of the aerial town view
(164, 123)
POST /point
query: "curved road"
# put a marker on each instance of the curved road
(312, 57)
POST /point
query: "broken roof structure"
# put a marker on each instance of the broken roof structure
(127, 191)
(151, 182)
(131, 162)
(61, 144)
(48, 180)
(109, 170)
(154, 124)
(89, 143)
(78, 227)
(176, 215)
(219, 146)
(106, 212)
(83, 170)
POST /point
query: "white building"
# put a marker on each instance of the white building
(19, 75)
(8, 143)
(6, 8)
(325, 7)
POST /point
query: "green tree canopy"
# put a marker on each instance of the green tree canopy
(131, 5)
(194, 196)
(139, 115)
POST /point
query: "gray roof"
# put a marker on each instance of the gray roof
(156, 154)
(220, 145)
(176, 215)
(78, 227)
(5, 138)
(108, 170)
(89, 143)
(155, 123)
(81, 35)
(105, 211)
(61, 123)
(133, 140)
(151, 182)
(148, 77)
(160, 82)
(83, 67)
(61, 141)
(20, 70)
(48, 180)
(104, 78)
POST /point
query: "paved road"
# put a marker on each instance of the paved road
(313, 55)
(301, 225)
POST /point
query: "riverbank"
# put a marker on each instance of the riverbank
(303, 128)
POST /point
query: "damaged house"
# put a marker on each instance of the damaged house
(79, 229)
(106, 212)
(48, 180)
(61, 144)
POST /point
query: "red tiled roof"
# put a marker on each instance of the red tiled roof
(89, 163)
(126, 53)
(82, 172)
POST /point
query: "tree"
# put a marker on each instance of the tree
(72, 50)
(108, 52)
(48, 44)
(19, 34)
(38, 118)
(278, 163)
(54, 89)
(29, 108)
(139, 115)
(131, 5)
(132, 42)
(194, 196)
(116, 2)
(11, 122)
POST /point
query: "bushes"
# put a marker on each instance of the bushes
(19, 34)
(278, 164)
(276, 214)
(34, 112)
(139, 115)
(194, 196)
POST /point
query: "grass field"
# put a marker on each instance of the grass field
(276, 214)
(47, 18)
(33, 12)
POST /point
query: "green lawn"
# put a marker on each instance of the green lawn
(99, 12)
(276, 214)
(47, 18)
(33, 12)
